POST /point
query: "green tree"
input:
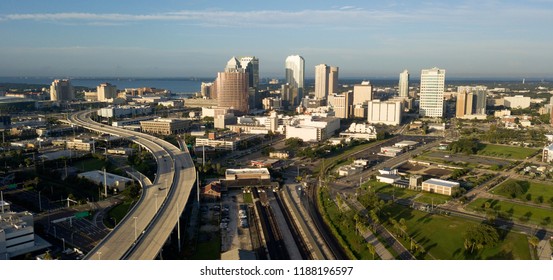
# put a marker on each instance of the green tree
(372, 249)
(480, 236)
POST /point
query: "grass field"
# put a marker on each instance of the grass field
(434, 198)
(343, 225)
(90, 164)
(442, 237)
(510, 152)
(117, 212)
(535, 190)
(524, 213)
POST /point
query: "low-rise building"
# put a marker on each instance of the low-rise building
(165, 126)
(349, 170)
(312, 129)
(226, 142)
(112, 181)
(517, 101)
(211, 191)
(360, 131)
(440, 186)
(388, 178)
(248, 174)
(279, 155)
(80, 144)
(390, 151)
(122, 111)
(17, 235)
(547, 154)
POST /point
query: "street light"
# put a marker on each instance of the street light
(99, 255)
(156, 200)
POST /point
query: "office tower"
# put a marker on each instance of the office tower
(471, 101)
(404, 84)
(321, 81)
(362, 93)
(62, 90)
(341, 103)
(432, 93)
(106, 91)
(251, 65)
(295, 71)
(332, 80)
(206, 90)
(232, 88)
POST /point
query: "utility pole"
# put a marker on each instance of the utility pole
(105, 183)
(178, 225)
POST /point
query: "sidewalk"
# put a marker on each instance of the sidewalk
(369, 236)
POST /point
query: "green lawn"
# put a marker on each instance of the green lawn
(90, 164)
(535, 190)
(509, 152)
(342, 224)
(118, 212)
(434, 198)
(518, 212)
(442, 236)
(209, 250)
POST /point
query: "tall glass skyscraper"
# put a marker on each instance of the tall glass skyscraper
(295, 71)
(404, 84)
(432, 93)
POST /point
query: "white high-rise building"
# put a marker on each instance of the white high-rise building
(62, 90)
(404, 84)
(432, 93)
(362, 93)
(321, 81)
(295, 75)
(106, 91)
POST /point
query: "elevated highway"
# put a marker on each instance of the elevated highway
(143, 231)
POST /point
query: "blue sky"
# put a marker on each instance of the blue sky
(172, 38)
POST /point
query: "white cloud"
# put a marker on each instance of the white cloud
(276, 18)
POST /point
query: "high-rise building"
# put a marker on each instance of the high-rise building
(232, 88)
(321, 81)
(403, 84)
(471, 101)
(341, 103)
(106, 91)
(206, 90)
(62, 90)
(332, 80)
(362, 93)
(295, 71)
(251, 65)
(432, 93)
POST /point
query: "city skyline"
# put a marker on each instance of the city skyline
(365, 39)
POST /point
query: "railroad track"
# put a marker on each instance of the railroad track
(294, 229)
(273, 238)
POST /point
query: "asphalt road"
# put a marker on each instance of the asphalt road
(144, 230)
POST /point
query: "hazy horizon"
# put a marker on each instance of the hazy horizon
(141, 38)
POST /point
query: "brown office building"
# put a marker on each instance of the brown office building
(232, 88)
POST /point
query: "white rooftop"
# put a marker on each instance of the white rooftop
(443, 183)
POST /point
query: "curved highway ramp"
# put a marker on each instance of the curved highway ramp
(144, 230)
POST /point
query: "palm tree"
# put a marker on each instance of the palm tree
(372, 249)
(534, 241)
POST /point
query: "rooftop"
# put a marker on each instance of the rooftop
(248, 170)
(443, 183)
